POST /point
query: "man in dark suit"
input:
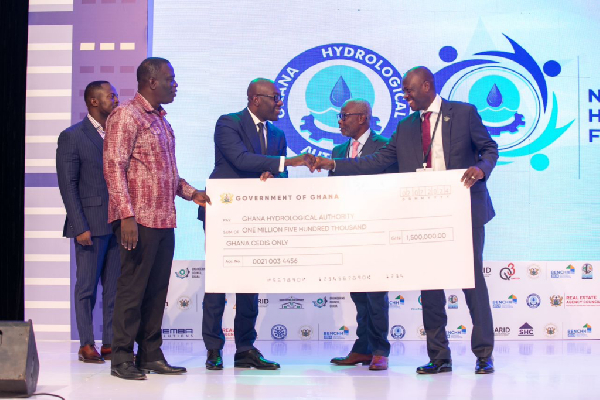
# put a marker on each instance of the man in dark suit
(372, 308)
(246, 146)
(83, 190)
(458, 140)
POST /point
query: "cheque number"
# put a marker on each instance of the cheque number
(275, 261)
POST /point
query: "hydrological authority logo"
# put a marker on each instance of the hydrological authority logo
(397, 332)
(315, 84)
(278, 332)
(511, 93)
(533, 300)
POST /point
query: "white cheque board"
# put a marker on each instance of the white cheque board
(389, 232)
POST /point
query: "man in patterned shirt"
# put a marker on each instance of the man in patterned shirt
(142, 179)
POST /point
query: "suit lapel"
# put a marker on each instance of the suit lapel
(416, 137)
(271, 145)
(250, 130)
(370, 145)
(446, 128)
(343, 153)
(92, 134)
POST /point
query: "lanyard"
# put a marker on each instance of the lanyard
(426, 156)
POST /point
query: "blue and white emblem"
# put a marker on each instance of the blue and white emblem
(511, 93)
(315, 84)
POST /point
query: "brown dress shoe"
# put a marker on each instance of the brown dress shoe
(89, 354)
(379, 363)
(353, 359)
(106, 352)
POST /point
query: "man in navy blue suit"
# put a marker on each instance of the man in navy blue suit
(372, 308)
(247, 145)
(84, 193)
(442, 135)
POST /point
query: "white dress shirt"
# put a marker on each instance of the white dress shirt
(97, 125)
(437, 149)
(361, 143)
(264, 129)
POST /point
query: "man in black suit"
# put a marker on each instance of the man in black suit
(84, 193)
(372, 308)
(247, 145)
(442, 135)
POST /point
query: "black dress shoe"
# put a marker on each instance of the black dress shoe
(127, 370)
(435, 367)
(484, 365)
(161, 367)
(253, 358)
(214, 360)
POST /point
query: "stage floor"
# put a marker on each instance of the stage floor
(524, 370)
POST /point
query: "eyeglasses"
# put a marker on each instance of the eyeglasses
(344, 116)
(275, 98)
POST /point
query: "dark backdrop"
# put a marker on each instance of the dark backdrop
(13, 64)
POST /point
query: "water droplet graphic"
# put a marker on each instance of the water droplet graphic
(340, 93)
(494, 97)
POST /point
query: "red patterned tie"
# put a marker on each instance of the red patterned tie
(426, 131)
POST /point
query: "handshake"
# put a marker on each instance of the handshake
(313, 163)
(308, 160)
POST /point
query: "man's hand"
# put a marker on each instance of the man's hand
(472, 175)
(306, 159)
(84, 239)
(129, 233)
(322, 163)
(266, 175)
(201, 198)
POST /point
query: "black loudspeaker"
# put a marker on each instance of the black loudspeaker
(19, 363)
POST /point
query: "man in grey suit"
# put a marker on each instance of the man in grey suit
(84, 193)
(442, 135)
(372, 308)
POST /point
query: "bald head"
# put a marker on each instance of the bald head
(264, 99)
(259, 86)
(419, 88)
(424, 74)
